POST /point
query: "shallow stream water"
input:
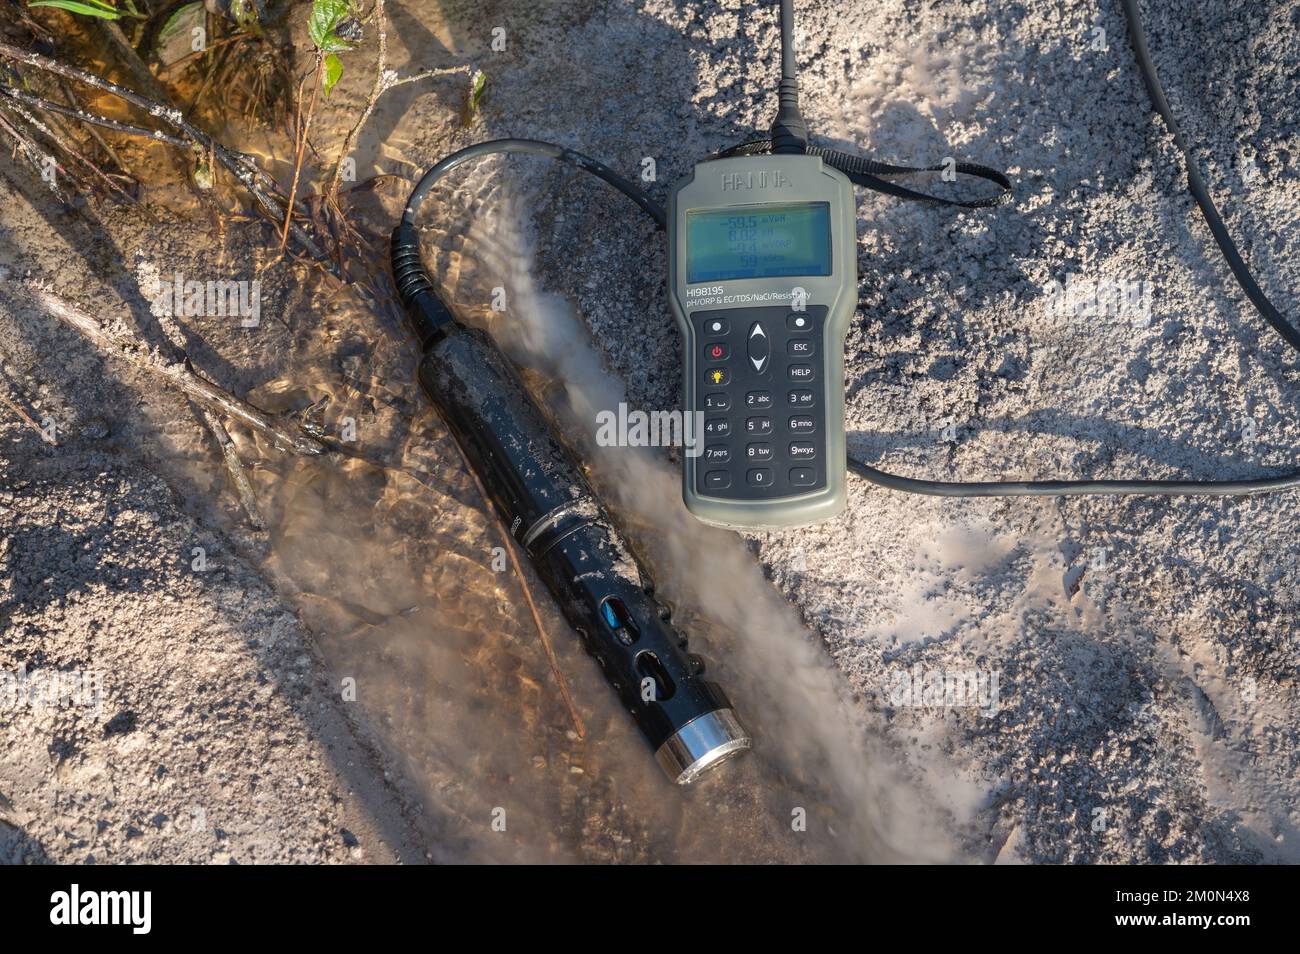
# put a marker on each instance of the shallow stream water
(399, 571)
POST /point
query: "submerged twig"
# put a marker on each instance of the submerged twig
(301, 130)
(236, 468)
(180, 374)
(68, 148)
(75, 102)
(551, 658)
(34, 155)
(508, 542)
(93, 119)
(258, 182)
(265, 191)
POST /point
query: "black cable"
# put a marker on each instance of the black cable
(1196, 184)
(1062, 488)
(428, 315)
(789, 131)
(415, 288)
(1073, 488)
(869, 174)
(789, 66)
(427, 312)
(537, 148)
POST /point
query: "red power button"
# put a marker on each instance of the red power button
(717, 351)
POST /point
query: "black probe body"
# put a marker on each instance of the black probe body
(550, 510)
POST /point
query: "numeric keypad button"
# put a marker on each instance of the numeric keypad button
(803, 450)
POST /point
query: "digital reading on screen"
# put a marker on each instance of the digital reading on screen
(761, 241)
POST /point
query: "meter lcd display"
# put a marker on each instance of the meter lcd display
(759, 241)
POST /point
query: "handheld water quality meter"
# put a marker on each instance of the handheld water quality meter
(762, 277)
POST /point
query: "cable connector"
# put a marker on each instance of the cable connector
(429, 316)
(789, 131)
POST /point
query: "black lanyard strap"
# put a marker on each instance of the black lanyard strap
(870, 174)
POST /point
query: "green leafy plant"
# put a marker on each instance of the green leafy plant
(334, 30)
(103, 9)
(474, 97)
(333, 71)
